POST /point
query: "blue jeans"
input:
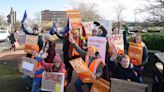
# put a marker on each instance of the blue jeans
(78, 84)
(36, 85)
(28, 80)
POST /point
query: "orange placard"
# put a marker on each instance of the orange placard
(100, 85)
(82, 70)
(135, 53)
(116, 42)
(31, 43)
(31, 47)
(75, 19)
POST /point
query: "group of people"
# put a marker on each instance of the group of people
(74, 42)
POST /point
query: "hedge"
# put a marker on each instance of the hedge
(154, 41)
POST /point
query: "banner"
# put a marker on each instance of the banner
(116, 41)
(100, 44)
(31, 42)
(75, 19)
(28, 66)
(118, 85)
(82, 70)
(53, 81)
(135, 53)
(100, 85)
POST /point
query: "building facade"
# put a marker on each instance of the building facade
(59, 17)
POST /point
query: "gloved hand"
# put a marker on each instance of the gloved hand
(96, 23)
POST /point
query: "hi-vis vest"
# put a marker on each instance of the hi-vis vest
(94, 65)
(39, 67)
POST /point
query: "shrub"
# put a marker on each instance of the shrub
(154, 41)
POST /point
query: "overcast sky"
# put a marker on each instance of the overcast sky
(106, 8)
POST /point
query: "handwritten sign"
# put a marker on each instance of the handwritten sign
(135, 53)
(75, 19)
(28, 66)
(53, 81)
(31, 40)
(117, 41)
(100, 85)
(100, 44)
(118, 85)
(82, 70)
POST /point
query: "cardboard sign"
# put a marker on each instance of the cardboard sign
(28, 66)
(100, 85)
(118, 85)
(100, 44)
(135, 53)
(116, 41)
(75, 19)
(82, 70)
(53, 81)
(31, 40)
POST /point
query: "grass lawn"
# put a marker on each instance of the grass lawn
(10, 79)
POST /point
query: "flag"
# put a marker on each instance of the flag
(53, 29)
(24, 17)
(67, 28)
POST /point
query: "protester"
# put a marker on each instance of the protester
(90, 60)
(121, 68)
(69, 52)
(49, 47)
(35, 32)
(56, 66)
(140, 68)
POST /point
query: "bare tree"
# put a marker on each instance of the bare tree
(156, 10)
(119, 9)
(88, 12)
(1, 20)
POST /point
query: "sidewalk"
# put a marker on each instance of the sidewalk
(17, 52)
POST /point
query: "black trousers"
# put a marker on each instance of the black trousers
(69, 68)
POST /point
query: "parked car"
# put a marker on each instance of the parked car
(4, 35)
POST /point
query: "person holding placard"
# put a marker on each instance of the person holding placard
(94, 64)
(56, 66)
(140, 68)
(35, 32)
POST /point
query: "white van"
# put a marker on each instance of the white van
(4, 35)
